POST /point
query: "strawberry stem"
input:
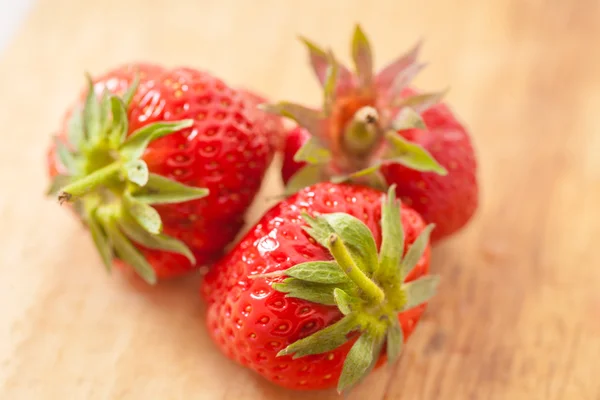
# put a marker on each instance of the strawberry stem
(89, 182)
(339, 251)
(363, 131)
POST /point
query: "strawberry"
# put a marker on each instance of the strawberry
(161, 165)
(326, 286)
(377, 130)
(270, 123)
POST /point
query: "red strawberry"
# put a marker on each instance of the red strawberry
(162, 176)
(307, 300)
(375, 129)
(271, 124)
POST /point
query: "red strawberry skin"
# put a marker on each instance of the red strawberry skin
(448, 201)
(271, 124)
(294, 139)
(251, 322)
(223, 151)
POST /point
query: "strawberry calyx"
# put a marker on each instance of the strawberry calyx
(356, 130)
(109, 183)
(367, 286)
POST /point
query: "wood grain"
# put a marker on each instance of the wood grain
(518, 315)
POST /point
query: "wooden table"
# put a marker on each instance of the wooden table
(518, 314)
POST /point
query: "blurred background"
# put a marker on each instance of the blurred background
(517, 316)
(12, 14)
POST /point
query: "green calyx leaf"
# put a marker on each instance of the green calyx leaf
(308, 118)
(411, 155)
(327, 272)
(146, 216)
(314, 292)
(390, 74)
(388, 273)
(66, 157)
(356, 175)
(140, 235)
(131, 90)
(100, 237)
(367, 286)
(420, 291)
(370, 176)
(327, 339)
(415, 252)
(345, 302)
(127, 252)
(120, 121)
(136, 172)
(395, 341)
(308, 175)
(363, 57)
(161, 190)
(408, 118)
(321, 60)
(91, 114)
(76, 130)
(105, 110)
(420, 102)
(330, 85)
(402, 80)
(133, 147)
(318, 59)
(318, 272)
(359, 361)
(313, 152)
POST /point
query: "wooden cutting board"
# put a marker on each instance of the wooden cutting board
(518, 314)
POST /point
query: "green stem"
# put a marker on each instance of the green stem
(341, 254)
(363, 131)
(89, 182)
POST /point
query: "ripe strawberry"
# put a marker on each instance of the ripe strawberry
(271, 124)
(162, 175)
(376, 130)
(306, 300)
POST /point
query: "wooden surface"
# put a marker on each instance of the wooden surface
(518, 315)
